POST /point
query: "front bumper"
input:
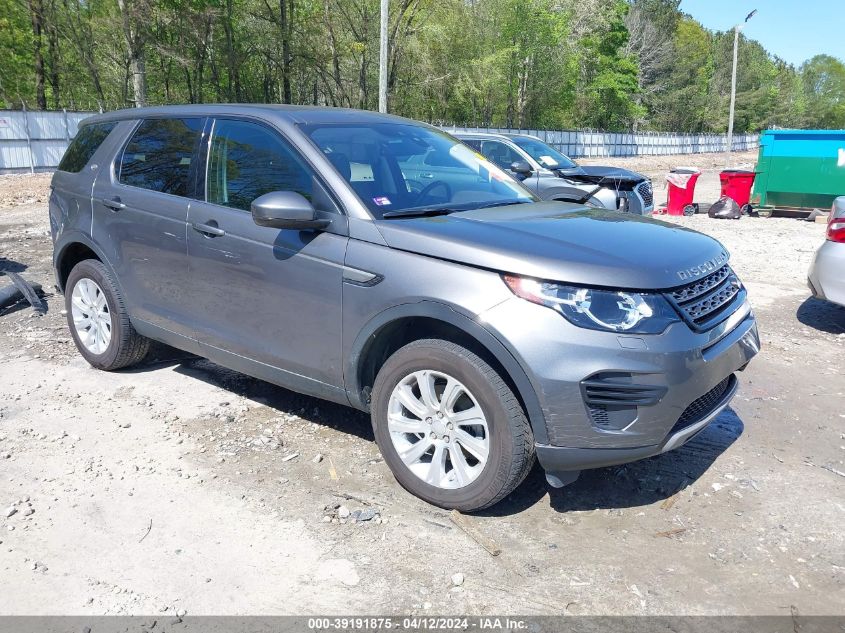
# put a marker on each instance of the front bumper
(562, 465)
(673, 371)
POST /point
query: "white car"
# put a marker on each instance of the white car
(827, 272)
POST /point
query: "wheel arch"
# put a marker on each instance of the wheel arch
(398, 326)
(72, 251)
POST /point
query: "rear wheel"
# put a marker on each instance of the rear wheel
(690, 209)
(449, 427)
(746, 209)
(98, 320)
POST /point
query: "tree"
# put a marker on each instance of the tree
(610, 75)
(609, 64)
(823, 77)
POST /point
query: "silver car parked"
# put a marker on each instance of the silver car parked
(479, 326)
(554, 176)
(827, 272)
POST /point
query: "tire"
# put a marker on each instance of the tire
(125, 347)
(508, 435)
(746, 209)
(690, 210)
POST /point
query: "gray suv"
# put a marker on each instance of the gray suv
(477, 325)
(554, 176)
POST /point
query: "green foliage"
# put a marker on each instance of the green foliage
(606, 64)
(17, 81)
(824, 85)
(611, 76)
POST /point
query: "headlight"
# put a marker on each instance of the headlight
(608, 310)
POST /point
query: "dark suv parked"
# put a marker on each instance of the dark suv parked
(478, 325)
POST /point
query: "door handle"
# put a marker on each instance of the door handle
(209, 230)
(427, 175)
(113, 203)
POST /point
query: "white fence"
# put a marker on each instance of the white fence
(587, 143)
(35, 140)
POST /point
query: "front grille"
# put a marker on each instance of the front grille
(645, 192)
(703, 406)
(706, 302)
(599, 415)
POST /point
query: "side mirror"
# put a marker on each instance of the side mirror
(286, 210)
(521, 167)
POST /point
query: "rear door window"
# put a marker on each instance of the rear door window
(247, 160)
(159, 154)
(87, 140)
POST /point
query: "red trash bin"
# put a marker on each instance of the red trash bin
(737, 184)
(681, 189)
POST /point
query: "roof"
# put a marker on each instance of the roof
(481, 135)
(291, 113)
(491, 135)
(793, 132)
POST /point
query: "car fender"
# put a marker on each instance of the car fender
(74, 236)
(463, 322)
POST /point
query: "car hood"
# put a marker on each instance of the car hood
(612, 172)
(563, 242)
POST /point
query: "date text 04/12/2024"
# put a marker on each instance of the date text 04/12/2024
(415, 623)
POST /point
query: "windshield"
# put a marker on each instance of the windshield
(396, 168)
(544, 154)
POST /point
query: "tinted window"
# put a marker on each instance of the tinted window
(500, 153)
(85, 143)
(398, 166)
(158, 156)
(474, 144)
(247, 160)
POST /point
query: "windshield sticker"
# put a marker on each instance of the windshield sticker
(382, 201)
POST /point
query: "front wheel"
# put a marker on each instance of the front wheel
(449, 427)
(690, 210)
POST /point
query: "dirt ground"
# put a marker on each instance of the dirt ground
(180, 486)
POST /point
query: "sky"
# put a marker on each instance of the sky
(794, 30)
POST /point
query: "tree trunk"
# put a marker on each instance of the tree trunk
(285, 28)
(522, 94)
(231, 58)
(135, 47)
(36, 12)
(138, 68)
(54, 54)
(338, 89)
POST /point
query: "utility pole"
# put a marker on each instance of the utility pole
(382, 59)
(730, 147)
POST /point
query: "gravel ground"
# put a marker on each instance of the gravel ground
(180, 486)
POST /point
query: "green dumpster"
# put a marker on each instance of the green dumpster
(800, 168)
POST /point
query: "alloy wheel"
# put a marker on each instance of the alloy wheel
(91, 316)
(438, 429)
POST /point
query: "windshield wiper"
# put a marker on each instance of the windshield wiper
(425, 212)
(419, 213)
(501, 203)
